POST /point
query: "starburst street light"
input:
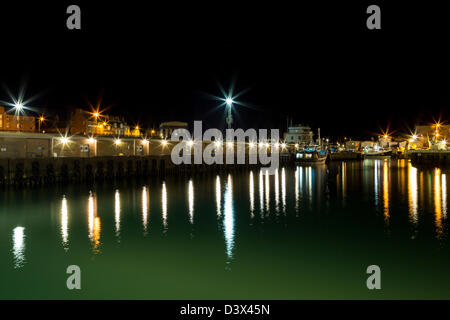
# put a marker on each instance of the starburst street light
(229, 101)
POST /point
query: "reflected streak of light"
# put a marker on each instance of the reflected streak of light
(91, 215)
(310, 182)
(437, 202)
(218, 196)
(376, 178)
(277, 192)
(386, 191)
(191, 201)
(64, 223)
(164, 204)
(117, 212)
(261, 193)
(444, 196)
(93, 222)
(252, 195)
(97, 231)
(344, 178)
(18, 247)
(283, 189)
(298, 172)
(267, 190)
(145, 207)
(412, 193)
(229, 218)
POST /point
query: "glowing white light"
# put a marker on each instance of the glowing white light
(164, 205)
(218, 143)
(19, 247)
(444, 196)
(283, 145)
(261, 193)
(229, 101)
(19, 107)
(92, 140)
(298, 183)
(117, 142)
(228, 219)
(283, 189)
(64, 140)
(277, 145)
(64, 223)
(267, 190)
(251, 144)
(91, 216)
(252, 195)
(218, 197)
(190, 143)
(191, 201)
(414, 137)
(277, 192)
(145, 200)
(412, 193)
(117, 212)
(144, 141)
(230, 144)
(164, 143)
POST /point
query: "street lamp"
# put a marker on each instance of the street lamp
(19, 108)
(229, 119)
(40, 120)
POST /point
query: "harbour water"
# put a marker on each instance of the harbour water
(304, 233)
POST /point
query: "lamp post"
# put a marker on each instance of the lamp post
(229, 118)
(19, 109)
(41, 119)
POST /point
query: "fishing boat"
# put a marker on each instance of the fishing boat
(377, 153)
(310, 155)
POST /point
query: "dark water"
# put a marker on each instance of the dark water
(300, 234)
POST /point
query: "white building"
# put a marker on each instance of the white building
(301, 135)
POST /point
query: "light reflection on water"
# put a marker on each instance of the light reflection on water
(283, 189)
(218, 197)
(251, 195)
(307, 191)
(228, 220)
(18, 247)
(191, 201)
(64, 224)
(94, 223)
(413, 195)
(117, 213)
(164, 206)
(145, 208)
(386, 191)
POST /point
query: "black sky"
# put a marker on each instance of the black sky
(315, 61)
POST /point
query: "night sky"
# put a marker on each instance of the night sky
(316, 63)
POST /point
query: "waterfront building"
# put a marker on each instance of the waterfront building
(84, 123)
(166, 128)
(352, 145)
(12, 122)
(301, 135)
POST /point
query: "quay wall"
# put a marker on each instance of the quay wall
(430, 158)
(34, 159)
(31, 172)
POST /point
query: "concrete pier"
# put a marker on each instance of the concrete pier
(429, 157)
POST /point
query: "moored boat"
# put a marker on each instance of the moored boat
(310, 156)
